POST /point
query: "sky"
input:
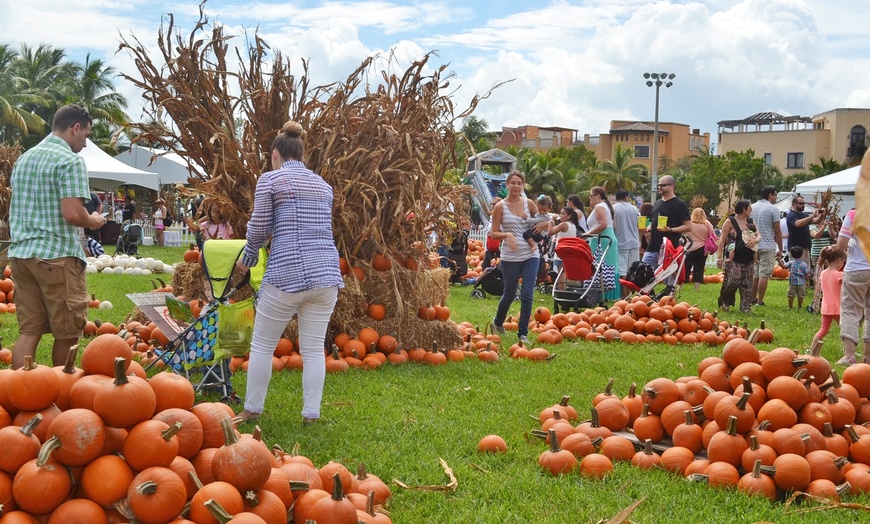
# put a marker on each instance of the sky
(577, 64)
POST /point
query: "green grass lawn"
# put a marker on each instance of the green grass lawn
(401, 420)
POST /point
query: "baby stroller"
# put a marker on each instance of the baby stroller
(130, 238)
(456, 257)
(672, 260)
(490, 281)
(546, 272)
(201, 350)
(580, 282)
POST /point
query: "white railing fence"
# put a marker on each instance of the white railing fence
(176, 235)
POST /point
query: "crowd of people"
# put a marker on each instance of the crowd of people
(818, 250)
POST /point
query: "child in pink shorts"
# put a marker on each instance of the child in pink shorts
(833, 260)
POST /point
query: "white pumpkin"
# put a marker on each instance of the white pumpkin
(118, 270)
(90, 268)
(105, 304)
(149, 263)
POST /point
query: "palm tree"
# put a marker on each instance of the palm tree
(15, 120)
(93, 88)
(826, 166)
(619, 172)
(44, 72)
(475, 131)
(544, 174)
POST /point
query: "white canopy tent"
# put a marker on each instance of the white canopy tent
(106, 173)
(169, 166)
(842, 184)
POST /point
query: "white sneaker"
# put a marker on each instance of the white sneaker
(496, 329)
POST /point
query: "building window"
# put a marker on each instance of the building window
(635, 137)
(795, 161)
(768, 159)
(857, 142)
(641, 151)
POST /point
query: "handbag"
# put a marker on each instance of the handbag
(608, 272)
(711, 244)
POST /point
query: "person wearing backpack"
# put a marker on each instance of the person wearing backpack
(696, 257)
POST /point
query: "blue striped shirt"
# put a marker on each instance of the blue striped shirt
(293, 207)
(42, 176)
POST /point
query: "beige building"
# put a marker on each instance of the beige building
(536, 138)
(792, 143)
(675, 141)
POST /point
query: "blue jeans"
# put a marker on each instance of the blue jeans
(511, 272)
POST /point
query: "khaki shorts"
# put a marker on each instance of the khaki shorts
(764, 263)
(797, 290)
(51, 296)
(854, 304)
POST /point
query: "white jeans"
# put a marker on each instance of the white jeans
(275, 308)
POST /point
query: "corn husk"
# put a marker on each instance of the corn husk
(862, 206)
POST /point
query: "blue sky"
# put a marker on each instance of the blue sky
(576, 64)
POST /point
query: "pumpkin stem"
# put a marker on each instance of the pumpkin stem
(647, 447)
(741, 404)
(298, 485)
(252, 499)
(609, 387)
(334, 352)
(257, 434)
(595, 423)
(149, 487)
(195, 479)
(799, 373)
(756, 469)
(338, 488)
(764, 424)
(230, 437)
(828, 430)
(370, 503)
(69, 366)
(644, 411)
(564, 401)
(753, 443)
(747, 385)
(171, 431)
(554, 443)
(217, 511)
(361, 473)
(844, 488)
(632, 390)
(28, 363)
(54, 443)
(688, 414)
(31, 424)
(852, 433)
(697, 477)
(835, 379)
(732, 425)
(120, 371)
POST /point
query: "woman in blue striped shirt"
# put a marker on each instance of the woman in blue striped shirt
(293, 209)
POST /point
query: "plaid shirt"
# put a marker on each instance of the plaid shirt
(42, 176)
(798, 270)
(293, 207)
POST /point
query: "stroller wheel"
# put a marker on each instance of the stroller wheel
(478, 293)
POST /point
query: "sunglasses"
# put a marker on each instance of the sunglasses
(84, 115)
(665, 185)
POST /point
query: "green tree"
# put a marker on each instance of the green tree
(619, 172)
(94, 88)
(474, 131)
(15, 119)
(826, 166)
(701, 176)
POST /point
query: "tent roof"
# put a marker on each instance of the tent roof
(171, 167)
(840, 182)
(105, 173)
(493, 156)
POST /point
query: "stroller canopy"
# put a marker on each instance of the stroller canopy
(576, 256)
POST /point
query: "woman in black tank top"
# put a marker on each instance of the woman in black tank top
(739, 269)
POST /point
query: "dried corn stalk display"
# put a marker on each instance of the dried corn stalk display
(8, 155)
(862, 206)
(382, 140)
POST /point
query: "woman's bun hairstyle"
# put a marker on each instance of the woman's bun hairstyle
(294, 129)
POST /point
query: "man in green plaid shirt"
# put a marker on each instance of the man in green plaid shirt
(49, 188)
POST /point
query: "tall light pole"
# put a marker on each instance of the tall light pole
(658, 80)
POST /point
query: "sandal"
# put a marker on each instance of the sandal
(847, 361)
(246, 416)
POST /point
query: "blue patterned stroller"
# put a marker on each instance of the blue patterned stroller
(202, 350)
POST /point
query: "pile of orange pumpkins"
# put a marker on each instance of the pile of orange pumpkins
(71, 455)
(7, 292)
(770, 423)
(640, 320)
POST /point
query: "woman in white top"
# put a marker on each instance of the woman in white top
(567, 227)
(160, 212)
(511, 218)
(600, 222)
